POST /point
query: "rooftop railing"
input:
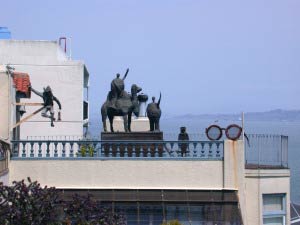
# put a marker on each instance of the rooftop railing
(266, 151)
(262, 150)
(207, 150)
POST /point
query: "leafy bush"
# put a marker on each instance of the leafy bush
(86, 149)
(86, 211)
(30, 204)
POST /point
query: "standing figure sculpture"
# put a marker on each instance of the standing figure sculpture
(120, 103)
(154, 112)
(183, 136)
(48, 99)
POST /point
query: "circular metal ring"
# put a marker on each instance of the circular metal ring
(233, 132)
(213, 132)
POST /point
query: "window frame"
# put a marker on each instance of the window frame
(276, 213)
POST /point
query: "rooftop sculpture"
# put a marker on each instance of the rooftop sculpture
(154, 113)
(120, 103)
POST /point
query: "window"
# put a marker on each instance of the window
(274, 209)
(85, 110)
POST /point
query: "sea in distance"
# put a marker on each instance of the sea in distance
(196, 128)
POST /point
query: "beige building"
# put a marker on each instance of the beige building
(216, 182)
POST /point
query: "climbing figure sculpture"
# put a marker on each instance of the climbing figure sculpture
(48, 99)
(154, 112)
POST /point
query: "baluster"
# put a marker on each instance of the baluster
(94, 146)
(55, 149)
(172, 147)
(148, 150)
(133, 151)
(110, 150)
(202, 149)
(210, 150)
(141, 150)
(187, 151)
(195, 149)
(218, 150)
(125, 150)
(48, 149)
(118, 151)
(40, 149)
(63, 154)
(71, 149)
(23, 149)
(156, 151)
(16, 149)
(31, 149)
(165, 150)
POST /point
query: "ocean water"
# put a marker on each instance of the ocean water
(196, 128)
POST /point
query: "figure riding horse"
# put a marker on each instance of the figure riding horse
(120, 103)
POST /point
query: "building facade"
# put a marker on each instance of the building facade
(48, 65)
(215, 182)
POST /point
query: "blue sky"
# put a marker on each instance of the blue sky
(204, 56)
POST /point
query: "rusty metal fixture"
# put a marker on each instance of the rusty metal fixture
(233, 132)
(213, 132)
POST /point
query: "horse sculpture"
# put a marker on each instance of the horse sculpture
(123, 104)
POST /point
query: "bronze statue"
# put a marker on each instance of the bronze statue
(154, 112)
(48, 99)
(120, 103)
(183, 136)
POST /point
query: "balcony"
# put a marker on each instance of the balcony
(261, 150)
(98, 164)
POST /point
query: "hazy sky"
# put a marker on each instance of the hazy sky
(204, 56)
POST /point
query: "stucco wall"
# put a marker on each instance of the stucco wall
(259, 182)
(30, 52)
(4, 102)
(66, 82)
(47, 64)
(176, 174)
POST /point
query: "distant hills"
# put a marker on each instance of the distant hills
(273, 115)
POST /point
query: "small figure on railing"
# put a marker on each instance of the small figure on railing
(183, 136)
(48, 99)
(154, 113)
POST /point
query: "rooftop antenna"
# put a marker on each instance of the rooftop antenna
(243, 126)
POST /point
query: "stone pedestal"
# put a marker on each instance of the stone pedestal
(132, 136)
(137, 124)
(132, 149)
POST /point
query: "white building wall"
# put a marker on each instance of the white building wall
(112, 174)
(47, 64)
(30, 52)
(259, 182)
(4, 102)
(66, 82)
